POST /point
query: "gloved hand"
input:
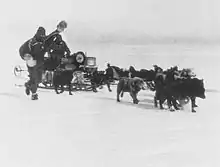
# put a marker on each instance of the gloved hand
(27, 56)
(30, 61)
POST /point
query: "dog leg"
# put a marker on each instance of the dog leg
(155, 101)
(193, 109)
(122, 94)
(56, 89)
(119, 89)
(161, 101)
(175, 104)
(70, 89)
(108, 85)
(193, 100)
(161, 104)
(134, 97)
(94, 87)
(169, 102)
(118, 93)
(62, 89)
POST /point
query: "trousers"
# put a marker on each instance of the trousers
(35, 77)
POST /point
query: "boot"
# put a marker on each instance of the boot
(34, 96)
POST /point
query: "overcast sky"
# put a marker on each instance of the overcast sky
(154, 17)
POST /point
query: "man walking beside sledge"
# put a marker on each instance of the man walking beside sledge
(33, 51)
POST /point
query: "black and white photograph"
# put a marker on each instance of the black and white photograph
(110, 83)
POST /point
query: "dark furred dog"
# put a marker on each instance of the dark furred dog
(99, 78)
(61, 78)
(131, 85)
(146, 75)
(179, 89)
(115, 73)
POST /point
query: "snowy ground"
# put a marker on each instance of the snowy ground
(92, 129)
